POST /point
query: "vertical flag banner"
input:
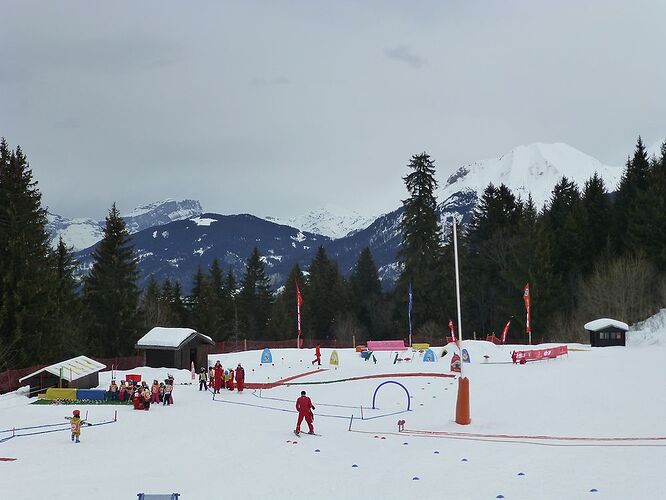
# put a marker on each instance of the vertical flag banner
(409, 313)
(505, 331)
(526, 298)
(299, 302)
(453, 331)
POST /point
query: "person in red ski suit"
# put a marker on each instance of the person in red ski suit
(230, 380)
(219, 376)
(317, 355)
(240, 377)
(304, 406)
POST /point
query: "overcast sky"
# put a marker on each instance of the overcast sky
(282, 107)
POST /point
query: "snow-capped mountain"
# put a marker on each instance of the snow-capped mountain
(331, 221)
(82, 233)
(533, 169)
(175, 250)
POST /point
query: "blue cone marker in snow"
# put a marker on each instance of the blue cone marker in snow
(317, 451)
(354, 465)
(593, 490)
(436, 452)
(499, 496)
(521, 473)
(464, 460)
(415, 478)
(405, 443)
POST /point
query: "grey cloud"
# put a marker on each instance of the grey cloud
(405, 54)
(260, 81)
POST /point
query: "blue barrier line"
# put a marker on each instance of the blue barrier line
(318, 404)
(294, 411)
(41, 432)
(276, 409)
(33, 427)
(387, 414)
(6, 439)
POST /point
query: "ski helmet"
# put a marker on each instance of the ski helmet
(76, 413)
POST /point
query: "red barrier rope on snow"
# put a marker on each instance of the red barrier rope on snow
(271, 385)
(539, 438)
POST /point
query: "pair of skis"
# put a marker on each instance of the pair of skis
(298, 434)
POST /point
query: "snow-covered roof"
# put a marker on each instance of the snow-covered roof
(170, 338)
(600, 324)
(72, 369)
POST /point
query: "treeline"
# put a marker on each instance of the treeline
(586, 254)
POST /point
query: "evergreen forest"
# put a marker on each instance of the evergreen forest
(593, 251)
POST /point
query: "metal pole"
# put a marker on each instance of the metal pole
(455, 251)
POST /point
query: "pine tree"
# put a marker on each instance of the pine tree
(179, 307)
(366, 291)
(110, 291)
(631, 203)
(150, 305)
(65, 337)
(326, 296)
(596, 211)
(563, 229)
(24, 263)
(421, 249)
(255, 298)
(220, 301)
(492, 270)
(202, 299)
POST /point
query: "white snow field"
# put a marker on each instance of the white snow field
(242, 445)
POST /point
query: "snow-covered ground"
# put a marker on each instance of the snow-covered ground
(242, 445)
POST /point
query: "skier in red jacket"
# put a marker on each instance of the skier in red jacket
(317, 355)
(218, 377)
(240, 377)
(304, 406)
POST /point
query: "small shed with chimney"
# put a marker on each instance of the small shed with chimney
(173, 348)
(606, 332)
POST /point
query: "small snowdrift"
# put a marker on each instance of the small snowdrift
(651, 331)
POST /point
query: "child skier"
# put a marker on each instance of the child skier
(168, 389)
(112, 393)
(230, 380)
(75, 424)
(304, 406)
(155, 392)
(202, 379)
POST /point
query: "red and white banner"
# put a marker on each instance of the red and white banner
(299, 303)
(537, 354)
(526, 298)
(453, 331)
(505, 331)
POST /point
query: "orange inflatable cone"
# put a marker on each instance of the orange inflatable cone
(462, 403)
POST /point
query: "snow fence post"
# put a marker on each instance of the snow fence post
(350, 421)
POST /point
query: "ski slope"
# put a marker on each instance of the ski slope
(242, 445)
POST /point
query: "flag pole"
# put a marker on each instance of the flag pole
(455, 252)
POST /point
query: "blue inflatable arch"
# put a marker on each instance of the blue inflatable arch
(374, 396)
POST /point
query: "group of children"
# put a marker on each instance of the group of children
(218, 378)
(140, 395)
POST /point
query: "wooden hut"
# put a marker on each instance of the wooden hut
(173, 348)
(607, 332)
(80, 373)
